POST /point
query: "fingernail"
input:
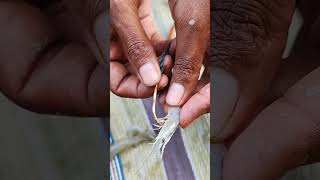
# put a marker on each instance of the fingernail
(149, 74)
(175, 94)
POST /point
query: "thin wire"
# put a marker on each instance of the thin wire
(163, 55)
(154, 97)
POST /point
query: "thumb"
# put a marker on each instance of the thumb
(285, 135)
(192, 29)
(135, 42)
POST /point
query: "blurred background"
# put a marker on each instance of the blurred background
(48, 147)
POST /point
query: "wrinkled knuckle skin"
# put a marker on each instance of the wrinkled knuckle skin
(185, 69)
(138, 51)
(239, 30)
(115, 3)
(119, 6)
(116, 6)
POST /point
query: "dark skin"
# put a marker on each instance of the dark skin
(260, 146)
(51, 56)
(264, 125)
(267, 127)
(135, 44)
(247, 42)
(267, 108)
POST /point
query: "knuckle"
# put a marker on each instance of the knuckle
(240, 32)
(118, 6)
(186, 69)
(116, 3)
(138, 50)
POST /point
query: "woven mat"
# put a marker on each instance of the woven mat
(189, 148)
(138, 162)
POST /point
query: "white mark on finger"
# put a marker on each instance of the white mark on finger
(192, 22)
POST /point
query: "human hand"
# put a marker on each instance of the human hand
(134, 46)
(197, 105)
(286, 133)
(192, 30)
(247, 42)
(192, 23)
(243, 40)
(49, 56)
(192, 37)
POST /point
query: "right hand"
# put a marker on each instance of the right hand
(134, 66)
(247, 43)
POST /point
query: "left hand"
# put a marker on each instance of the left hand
(50, 61)
(134, 45)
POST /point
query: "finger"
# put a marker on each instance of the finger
(115, 51)
(112, 33)
(251, 68)
(117, 54)
(166, 108)
(285, 135)
(135, 42)
(159, 45)
(163, 82)
(43, 73)
(162, 98)
(167, 65)
(192, 29)
(226, 91)
(123, 83)
(91, 16)
(203, 82)
(196, 106)
(307, 61)
(101, 33)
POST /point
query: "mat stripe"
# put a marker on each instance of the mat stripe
(116, 168)
(175, 158)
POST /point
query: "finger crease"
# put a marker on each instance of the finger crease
(43, 54)
(91, 72)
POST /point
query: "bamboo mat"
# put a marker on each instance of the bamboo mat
(126, 113)
(196, 141)
(187, 151)
(137, 162)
